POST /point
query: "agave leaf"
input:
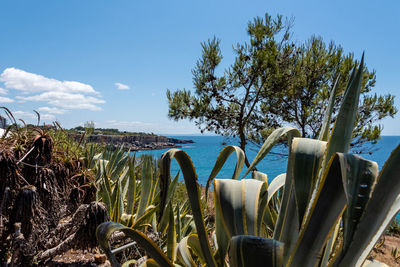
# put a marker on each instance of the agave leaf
(146, 185)
(131, 191)
(184, 254)
(327, 207)
(287, 226)
(222, 157)
(117, 163)
(385, 199)
(324, 132)
(169, 196)
(117, 203)
(358, 192)
(178, 223)
(342, 131)
(324, 215)
(129, 263)
(274, 137)
(149, 263)
(190, 177)
(171, 237)
(251, 251)
(238, 209)
(146, 217)
(105, 195)
(127, 219)
(260, 176)
(276, 184)
(307, 155)
(270, 215)
(105, 230)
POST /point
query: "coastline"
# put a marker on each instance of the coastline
(136, 142)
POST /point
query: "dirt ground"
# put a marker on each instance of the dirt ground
(389, 251)
(383, 252)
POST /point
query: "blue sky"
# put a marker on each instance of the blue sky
(112, 61)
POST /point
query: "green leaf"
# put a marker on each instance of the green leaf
(146, 186)
(171, 236)
(131, 191)
(146, 217)
(260, 176)
(306, 156)
(190, 177)
(222, 157)
(274, 137)
(239, 209)
(358, 192)
(188, 243)
(342, 131)
(381, 208)
(117, 203)
(252, 251)
(324, 132)
(106, 229)
(327, 207)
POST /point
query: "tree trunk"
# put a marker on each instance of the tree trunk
(243, 147)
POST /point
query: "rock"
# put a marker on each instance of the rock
(100, 258)
(136, 142)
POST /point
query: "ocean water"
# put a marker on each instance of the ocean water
(205, 150)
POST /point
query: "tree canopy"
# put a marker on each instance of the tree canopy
(275, 81)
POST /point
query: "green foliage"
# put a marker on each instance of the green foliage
(128, 186)
(106, 131)
(394, 227)
(274, 81)
(325, 188)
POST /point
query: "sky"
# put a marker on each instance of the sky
(111, 61)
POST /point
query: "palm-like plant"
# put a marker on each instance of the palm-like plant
(325, 191)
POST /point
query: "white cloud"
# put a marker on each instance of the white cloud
(52, 110)
(23, 114)
(47, 117)
(3, 91)
(121, 86)
(32, 116)
(5, 100)
(63, 95)
(128, 124)
(66, 100)
(30, 83)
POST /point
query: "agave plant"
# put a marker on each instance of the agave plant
(127, 186)
(325, 191)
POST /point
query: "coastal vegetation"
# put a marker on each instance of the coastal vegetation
(108, 131)
(61, 190)
(274, 82)
(328, 209)
(46, 195)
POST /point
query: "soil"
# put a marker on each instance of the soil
(385, 252)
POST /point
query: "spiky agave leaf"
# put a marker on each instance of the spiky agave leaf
(222, 157)
(190, 177)
(239, 210)
(105, 230)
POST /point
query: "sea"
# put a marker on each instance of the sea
(205, 150)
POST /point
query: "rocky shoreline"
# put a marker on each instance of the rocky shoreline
(136, 143)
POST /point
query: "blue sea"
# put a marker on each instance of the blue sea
(205, 149)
